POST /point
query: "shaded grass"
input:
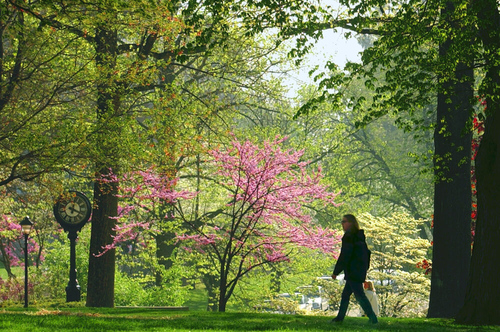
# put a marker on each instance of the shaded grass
(106, 319)
(197, 299)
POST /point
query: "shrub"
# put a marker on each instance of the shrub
(12, 291)
(403, 290)
(135, 291)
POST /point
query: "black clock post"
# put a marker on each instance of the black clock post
(72, 212)
(73, 290)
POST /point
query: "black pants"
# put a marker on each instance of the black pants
(356, 288)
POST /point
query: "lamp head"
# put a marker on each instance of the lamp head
(26, 225)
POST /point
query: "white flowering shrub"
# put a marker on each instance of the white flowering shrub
(402, 288)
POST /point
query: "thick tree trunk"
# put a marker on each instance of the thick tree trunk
(453, 194)
(101, 278)
(482, 302)
(452, 215)
(101, 275)
(222, 296)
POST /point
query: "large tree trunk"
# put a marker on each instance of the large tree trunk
(482, 302)
(101, 277)
(453, 194)
(223, 292)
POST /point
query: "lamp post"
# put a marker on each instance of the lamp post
(26, 225)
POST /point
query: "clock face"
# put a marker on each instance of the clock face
(72, 208)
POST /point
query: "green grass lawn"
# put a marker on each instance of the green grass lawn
(91, 319)
(61, 317)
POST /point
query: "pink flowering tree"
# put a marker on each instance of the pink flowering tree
(265, 215)
(12, 244)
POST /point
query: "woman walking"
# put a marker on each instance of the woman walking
(354, 260)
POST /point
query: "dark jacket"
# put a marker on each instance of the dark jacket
(354, 257)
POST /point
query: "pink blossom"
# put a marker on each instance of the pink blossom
(268, 188)
(141, 193)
